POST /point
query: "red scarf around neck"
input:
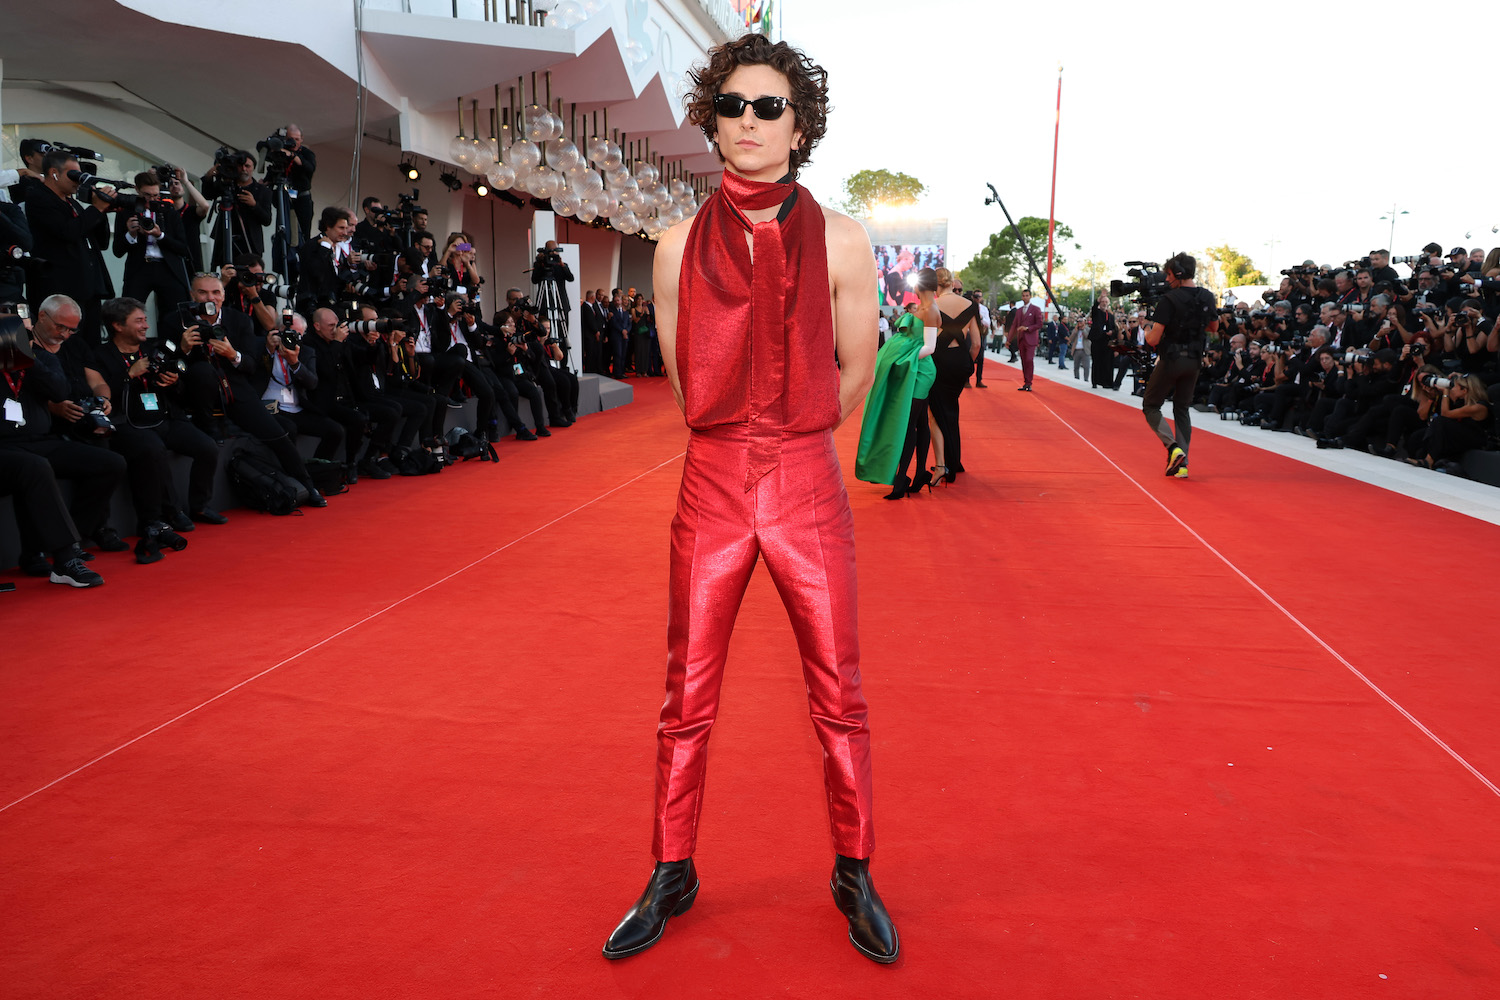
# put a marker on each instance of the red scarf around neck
(755, 338)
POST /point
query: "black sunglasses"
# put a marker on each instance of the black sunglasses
(767, 109)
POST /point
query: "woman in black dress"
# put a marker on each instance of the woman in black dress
(957, 346)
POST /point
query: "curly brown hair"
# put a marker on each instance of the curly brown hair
(808, 80)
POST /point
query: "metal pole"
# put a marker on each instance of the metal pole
(1022, 241)
(1052, 211)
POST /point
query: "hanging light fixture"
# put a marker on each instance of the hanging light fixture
(481, 188)
(450, 180)
(409, 170)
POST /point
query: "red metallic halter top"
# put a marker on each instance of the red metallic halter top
(755, 341)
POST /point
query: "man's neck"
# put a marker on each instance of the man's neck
(125, 346)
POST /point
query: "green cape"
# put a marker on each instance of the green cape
(899, 375)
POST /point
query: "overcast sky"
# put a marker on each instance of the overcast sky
(1295, 122)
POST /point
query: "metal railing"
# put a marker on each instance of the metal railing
(725, 16)
(533, 12)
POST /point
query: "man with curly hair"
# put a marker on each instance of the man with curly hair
(767, 319)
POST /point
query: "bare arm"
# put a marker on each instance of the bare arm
(856, 314)
(666, 271)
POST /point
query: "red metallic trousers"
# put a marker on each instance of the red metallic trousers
(797, 519)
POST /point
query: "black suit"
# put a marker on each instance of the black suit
(1101, 331)
(593, 325)
(68, 239)
(166, 275)
(617, 325)
(212, 382)
(453, 361)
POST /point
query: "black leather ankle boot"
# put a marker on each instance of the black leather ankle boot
(870, 928)
(672, 889)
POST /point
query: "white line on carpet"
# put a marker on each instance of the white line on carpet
(1279, 607)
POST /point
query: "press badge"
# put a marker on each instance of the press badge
(14, 413)
(516, 367)
(148, 402)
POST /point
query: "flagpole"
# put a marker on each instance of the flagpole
(1052, 210)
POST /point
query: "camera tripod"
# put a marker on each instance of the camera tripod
(548, 299)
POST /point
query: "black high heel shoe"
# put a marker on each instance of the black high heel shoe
(923, 478)
(899, 488)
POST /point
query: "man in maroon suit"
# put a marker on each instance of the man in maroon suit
(1027, 330)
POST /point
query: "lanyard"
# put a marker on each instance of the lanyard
(15, 383)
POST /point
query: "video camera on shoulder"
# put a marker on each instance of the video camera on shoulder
(1148, 288)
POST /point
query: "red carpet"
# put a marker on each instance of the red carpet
(1106, 764)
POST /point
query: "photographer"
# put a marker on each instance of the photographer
(1326, 385)
(15, 248)
(223, 352)
(344, 393)
(294, 164)
(509, 355)
(538, 361)
(376, 233)
(1366, 402)
(328, 266)
(67, 239)
(147, 424)
(564, 381)
(246, 292)
(1292, 365)
(29, 399)
(42, 518)
(1180, 326)
(247, 202)
(1464, 414)
(288, 376)
(192, 208)
(389, 370)
(452, 325)
(151, 241)
(29, 175)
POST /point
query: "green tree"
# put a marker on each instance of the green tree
(1236, 268)
(869, 188)
(1002, 261)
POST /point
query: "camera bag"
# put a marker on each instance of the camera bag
(415, 462)
(327, 477)
(260, 484)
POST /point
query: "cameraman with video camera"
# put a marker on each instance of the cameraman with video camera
(1180, 325)
(231, 182)
(67, 239)
(223, 352)
(150, 239)
(293, 164)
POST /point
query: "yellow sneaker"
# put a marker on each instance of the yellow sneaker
(1176, 460)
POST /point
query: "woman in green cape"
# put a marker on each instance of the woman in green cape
(895, 420)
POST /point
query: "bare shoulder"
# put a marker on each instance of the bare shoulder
(670, 247)
(845, 234)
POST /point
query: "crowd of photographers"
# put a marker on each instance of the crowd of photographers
(1357, 356)
(364, 337)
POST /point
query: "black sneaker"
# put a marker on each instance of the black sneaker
(109, 540)
(73, 571)
(34, 564)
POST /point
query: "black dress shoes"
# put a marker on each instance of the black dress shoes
(672, 889)
(208, 515)
(109, 540)
(314, 498)
(177, 520)
(870, 928)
